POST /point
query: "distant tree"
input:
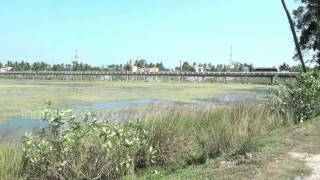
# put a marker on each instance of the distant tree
(160, 66)
(87, 67)
(40, 66)
(212, 68)
(284, 67)
(219, 68)
(205, 65)
(127, 67)
(1, 65)
(249, 66)
(307, 20)
(113, 67)
(9, 64)
(298, 68)
(225, 68)
(151, 65)
(58, 67)
(295, 38)
(75, 66)
(187, 67)
(240, 68)
(140, 63)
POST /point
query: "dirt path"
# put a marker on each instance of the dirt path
(312, 160)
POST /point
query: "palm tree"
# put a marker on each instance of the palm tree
(294, 35)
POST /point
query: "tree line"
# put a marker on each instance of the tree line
(76, 66)
(209, 67)
(43, 66)
(186, 67)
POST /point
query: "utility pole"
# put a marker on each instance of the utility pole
(76, 56)
(231, 55)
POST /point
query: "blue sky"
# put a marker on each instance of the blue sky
(107, 32)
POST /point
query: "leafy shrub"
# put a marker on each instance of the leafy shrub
(85, 149)
(301, 98)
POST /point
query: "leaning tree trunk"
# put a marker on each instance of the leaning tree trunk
(296, 41)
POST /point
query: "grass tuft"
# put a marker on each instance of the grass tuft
(10, 161)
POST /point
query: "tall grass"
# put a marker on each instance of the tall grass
(192, 135)
(10, 161)
(181, 135)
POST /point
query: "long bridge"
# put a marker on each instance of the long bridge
(126, 75)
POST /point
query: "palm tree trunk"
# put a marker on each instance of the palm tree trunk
(296, 41)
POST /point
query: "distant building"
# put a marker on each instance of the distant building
(209, 67)
(151, 70)
(134, 68)
(234, 65)
(5, 69)
(198, 68)
(246, 69)
(148, 69)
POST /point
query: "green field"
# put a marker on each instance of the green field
(19, 99)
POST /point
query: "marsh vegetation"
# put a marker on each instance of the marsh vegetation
(161, 140)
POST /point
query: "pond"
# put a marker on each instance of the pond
(122, 104)
(13, 130)
(18, 97)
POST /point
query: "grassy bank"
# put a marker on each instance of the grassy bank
(191, 142)
(179, 137)
(270, 159)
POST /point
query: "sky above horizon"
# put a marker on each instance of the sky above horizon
(113, 32)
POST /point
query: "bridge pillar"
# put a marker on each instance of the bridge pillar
(225, 79)
(272, 79)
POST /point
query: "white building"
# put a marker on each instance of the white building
(5, 69)
(198, 69)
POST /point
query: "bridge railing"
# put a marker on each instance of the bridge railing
(165, 73)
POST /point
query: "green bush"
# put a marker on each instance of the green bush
(301, 98)
(85, 149)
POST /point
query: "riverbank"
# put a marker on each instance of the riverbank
(179, 136)
(250, 144)
(290, 152)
